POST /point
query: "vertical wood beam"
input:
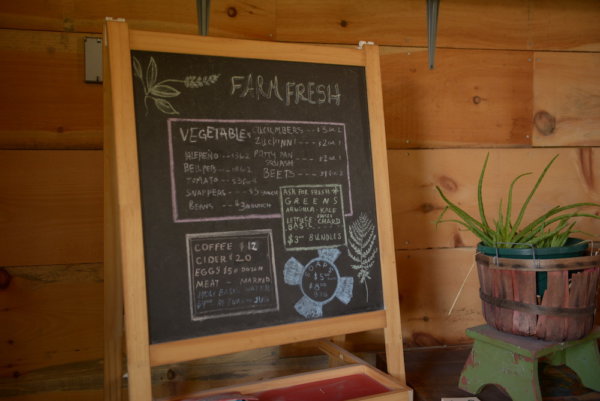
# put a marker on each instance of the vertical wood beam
(393, 330)
(123, 162)
(113, 285)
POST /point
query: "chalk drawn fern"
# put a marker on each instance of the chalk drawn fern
(159, 92)
(362, 249)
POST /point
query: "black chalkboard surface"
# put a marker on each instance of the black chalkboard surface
(257, 192)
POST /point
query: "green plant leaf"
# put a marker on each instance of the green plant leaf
(483, 237)
(499, 225)
(548, 235)
(587, 234)
(543, 221)
(509, 203)
(458, 211)
(532, 234)
(566, 217)
(439, 219)
(484, 222)
(468, 221)
(534, 226)
(552, 228)
(526, 203)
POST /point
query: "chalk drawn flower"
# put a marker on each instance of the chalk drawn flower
(319, 281)
(362, 248)
(159, 92)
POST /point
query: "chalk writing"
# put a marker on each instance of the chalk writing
(251, 172)
(319, 281)
(312, 216)
(231, 273)
(232, 170)
(289, 92)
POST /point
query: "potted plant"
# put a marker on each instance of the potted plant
(535, 278)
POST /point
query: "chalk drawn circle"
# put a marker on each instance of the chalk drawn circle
(320, 280)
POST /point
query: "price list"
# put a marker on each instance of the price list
(231, 274)
(312, 216)
(233, 169)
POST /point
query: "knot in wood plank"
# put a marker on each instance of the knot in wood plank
(5, 279)
(544, 122)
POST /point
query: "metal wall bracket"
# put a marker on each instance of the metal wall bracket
(203, 7)
(433, 7)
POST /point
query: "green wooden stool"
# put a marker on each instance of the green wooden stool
(511, 361)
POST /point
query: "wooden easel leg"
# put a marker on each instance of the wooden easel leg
(112, 371)
(113, 283)
(113, 335)
(113, 314)
(124, 264)
(335, 361)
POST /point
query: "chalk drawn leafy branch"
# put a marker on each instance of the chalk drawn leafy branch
(362, 248)
(159, 92)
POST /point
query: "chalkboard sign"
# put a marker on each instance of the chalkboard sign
(257, 192)
(246, 205)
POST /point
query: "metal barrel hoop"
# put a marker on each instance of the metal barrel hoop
(535, 260)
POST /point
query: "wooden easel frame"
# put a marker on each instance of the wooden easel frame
(125, 286)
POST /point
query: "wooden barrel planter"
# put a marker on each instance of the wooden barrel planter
(565, 311)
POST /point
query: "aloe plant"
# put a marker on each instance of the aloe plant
(551, 229)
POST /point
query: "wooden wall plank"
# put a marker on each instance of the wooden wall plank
(178, 16)
(51, 315)
(484, 24)
(50, 207)
(67, 395)
(243, 19)
(51, 202)
(513, 24)
(339, 21)
(566, 99)
(44, 100)
(565, 25)
(465, 24)
(472, 24)
(78, 378)
(416, 204)
(472, 98)
(428, 282)
(35, 14)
